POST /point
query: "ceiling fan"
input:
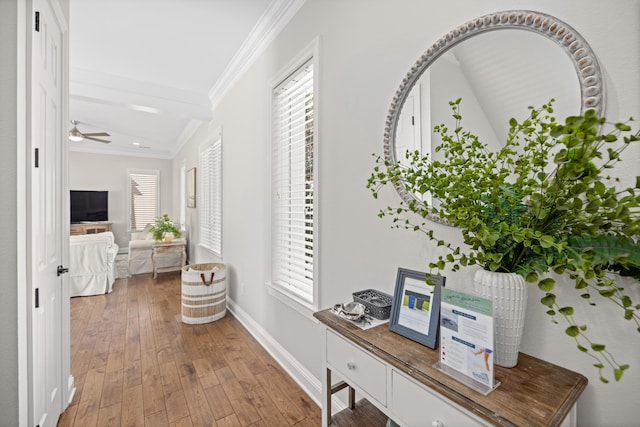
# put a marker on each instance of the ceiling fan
(76, 135)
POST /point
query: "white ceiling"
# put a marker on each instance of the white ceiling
(149, 71)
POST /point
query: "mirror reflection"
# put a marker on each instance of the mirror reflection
(499, 64)
(498, 75)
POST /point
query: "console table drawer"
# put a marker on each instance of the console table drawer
(357, 367)
(415, 405)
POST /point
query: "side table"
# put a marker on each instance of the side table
(162, 255)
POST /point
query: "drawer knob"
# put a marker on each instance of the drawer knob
(437, 423)
(351, 366)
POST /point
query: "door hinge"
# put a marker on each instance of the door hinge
(37, 297)
(413, 120)
(37, 21)
(37, 157)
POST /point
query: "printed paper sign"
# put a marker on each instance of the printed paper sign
(466, 335)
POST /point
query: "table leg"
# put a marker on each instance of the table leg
(352, 398)
(326, 409)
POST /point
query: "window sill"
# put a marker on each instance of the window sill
(211, 251)
(283, 295)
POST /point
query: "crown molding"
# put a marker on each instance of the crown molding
(268, 27)
(143, 96)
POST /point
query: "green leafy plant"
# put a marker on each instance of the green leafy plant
(163, 225)
(542, 203)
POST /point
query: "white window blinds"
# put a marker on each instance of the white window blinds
(143, 200)
(292, 205)
(183, 195)
(210, 197)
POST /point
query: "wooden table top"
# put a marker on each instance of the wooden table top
(534, 393)
(174, 243)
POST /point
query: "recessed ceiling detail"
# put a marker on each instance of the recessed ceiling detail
(152, 80)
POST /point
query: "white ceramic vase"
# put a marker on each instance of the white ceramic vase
(508, 292)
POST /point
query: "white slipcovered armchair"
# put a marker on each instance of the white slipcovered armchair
(92, 260)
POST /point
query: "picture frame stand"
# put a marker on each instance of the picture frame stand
(416, 306)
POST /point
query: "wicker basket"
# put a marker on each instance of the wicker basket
(378, 304)
(204, 293)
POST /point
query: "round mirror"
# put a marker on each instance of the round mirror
(532, 58)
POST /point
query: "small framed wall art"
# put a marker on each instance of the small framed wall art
(416, 306)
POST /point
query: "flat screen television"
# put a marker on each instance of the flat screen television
(89, 206)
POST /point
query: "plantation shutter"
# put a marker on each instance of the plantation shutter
(292, 234)
(210, 203)
(143, 199)
(183, 195)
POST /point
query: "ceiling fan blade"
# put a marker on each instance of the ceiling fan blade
(96, 139)
(95, 134)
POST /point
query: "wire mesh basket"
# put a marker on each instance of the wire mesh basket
(378, 304)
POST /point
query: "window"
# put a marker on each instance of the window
(183, 195)
(293, 185)
(143, 197)
(210, 196)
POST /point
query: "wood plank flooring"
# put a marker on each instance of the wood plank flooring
(136, 364)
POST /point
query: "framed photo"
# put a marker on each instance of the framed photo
(416, 306)
(191, 188)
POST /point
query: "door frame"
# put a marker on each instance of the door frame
(25, 14)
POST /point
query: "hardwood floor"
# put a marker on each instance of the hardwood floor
(136, 364)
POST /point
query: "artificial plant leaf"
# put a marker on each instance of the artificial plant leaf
(549, 300)
(609, 250)
(547, 285)
(567, 311)
(546, 241)
(572, 331)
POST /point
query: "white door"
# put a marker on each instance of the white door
(408, 132)
(46, 214)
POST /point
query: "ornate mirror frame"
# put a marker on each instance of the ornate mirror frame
(575, 46)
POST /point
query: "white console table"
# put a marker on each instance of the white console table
(397, 376)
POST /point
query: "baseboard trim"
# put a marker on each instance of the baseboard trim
(302, 376)
(71, 390)
(309, 383)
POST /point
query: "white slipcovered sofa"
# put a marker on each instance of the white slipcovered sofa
(140, 250)
(92, 259)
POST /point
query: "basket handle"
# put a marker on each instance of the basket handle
(204, 282)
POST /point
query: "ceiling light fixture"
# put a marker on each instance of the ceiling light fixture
(75, 134)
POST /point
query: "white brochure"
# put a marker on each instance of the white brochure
(466, 339)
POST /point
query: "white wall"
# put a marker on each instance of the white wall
(104, 172)
(472, 110)
(9, 123)
(367, 46)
